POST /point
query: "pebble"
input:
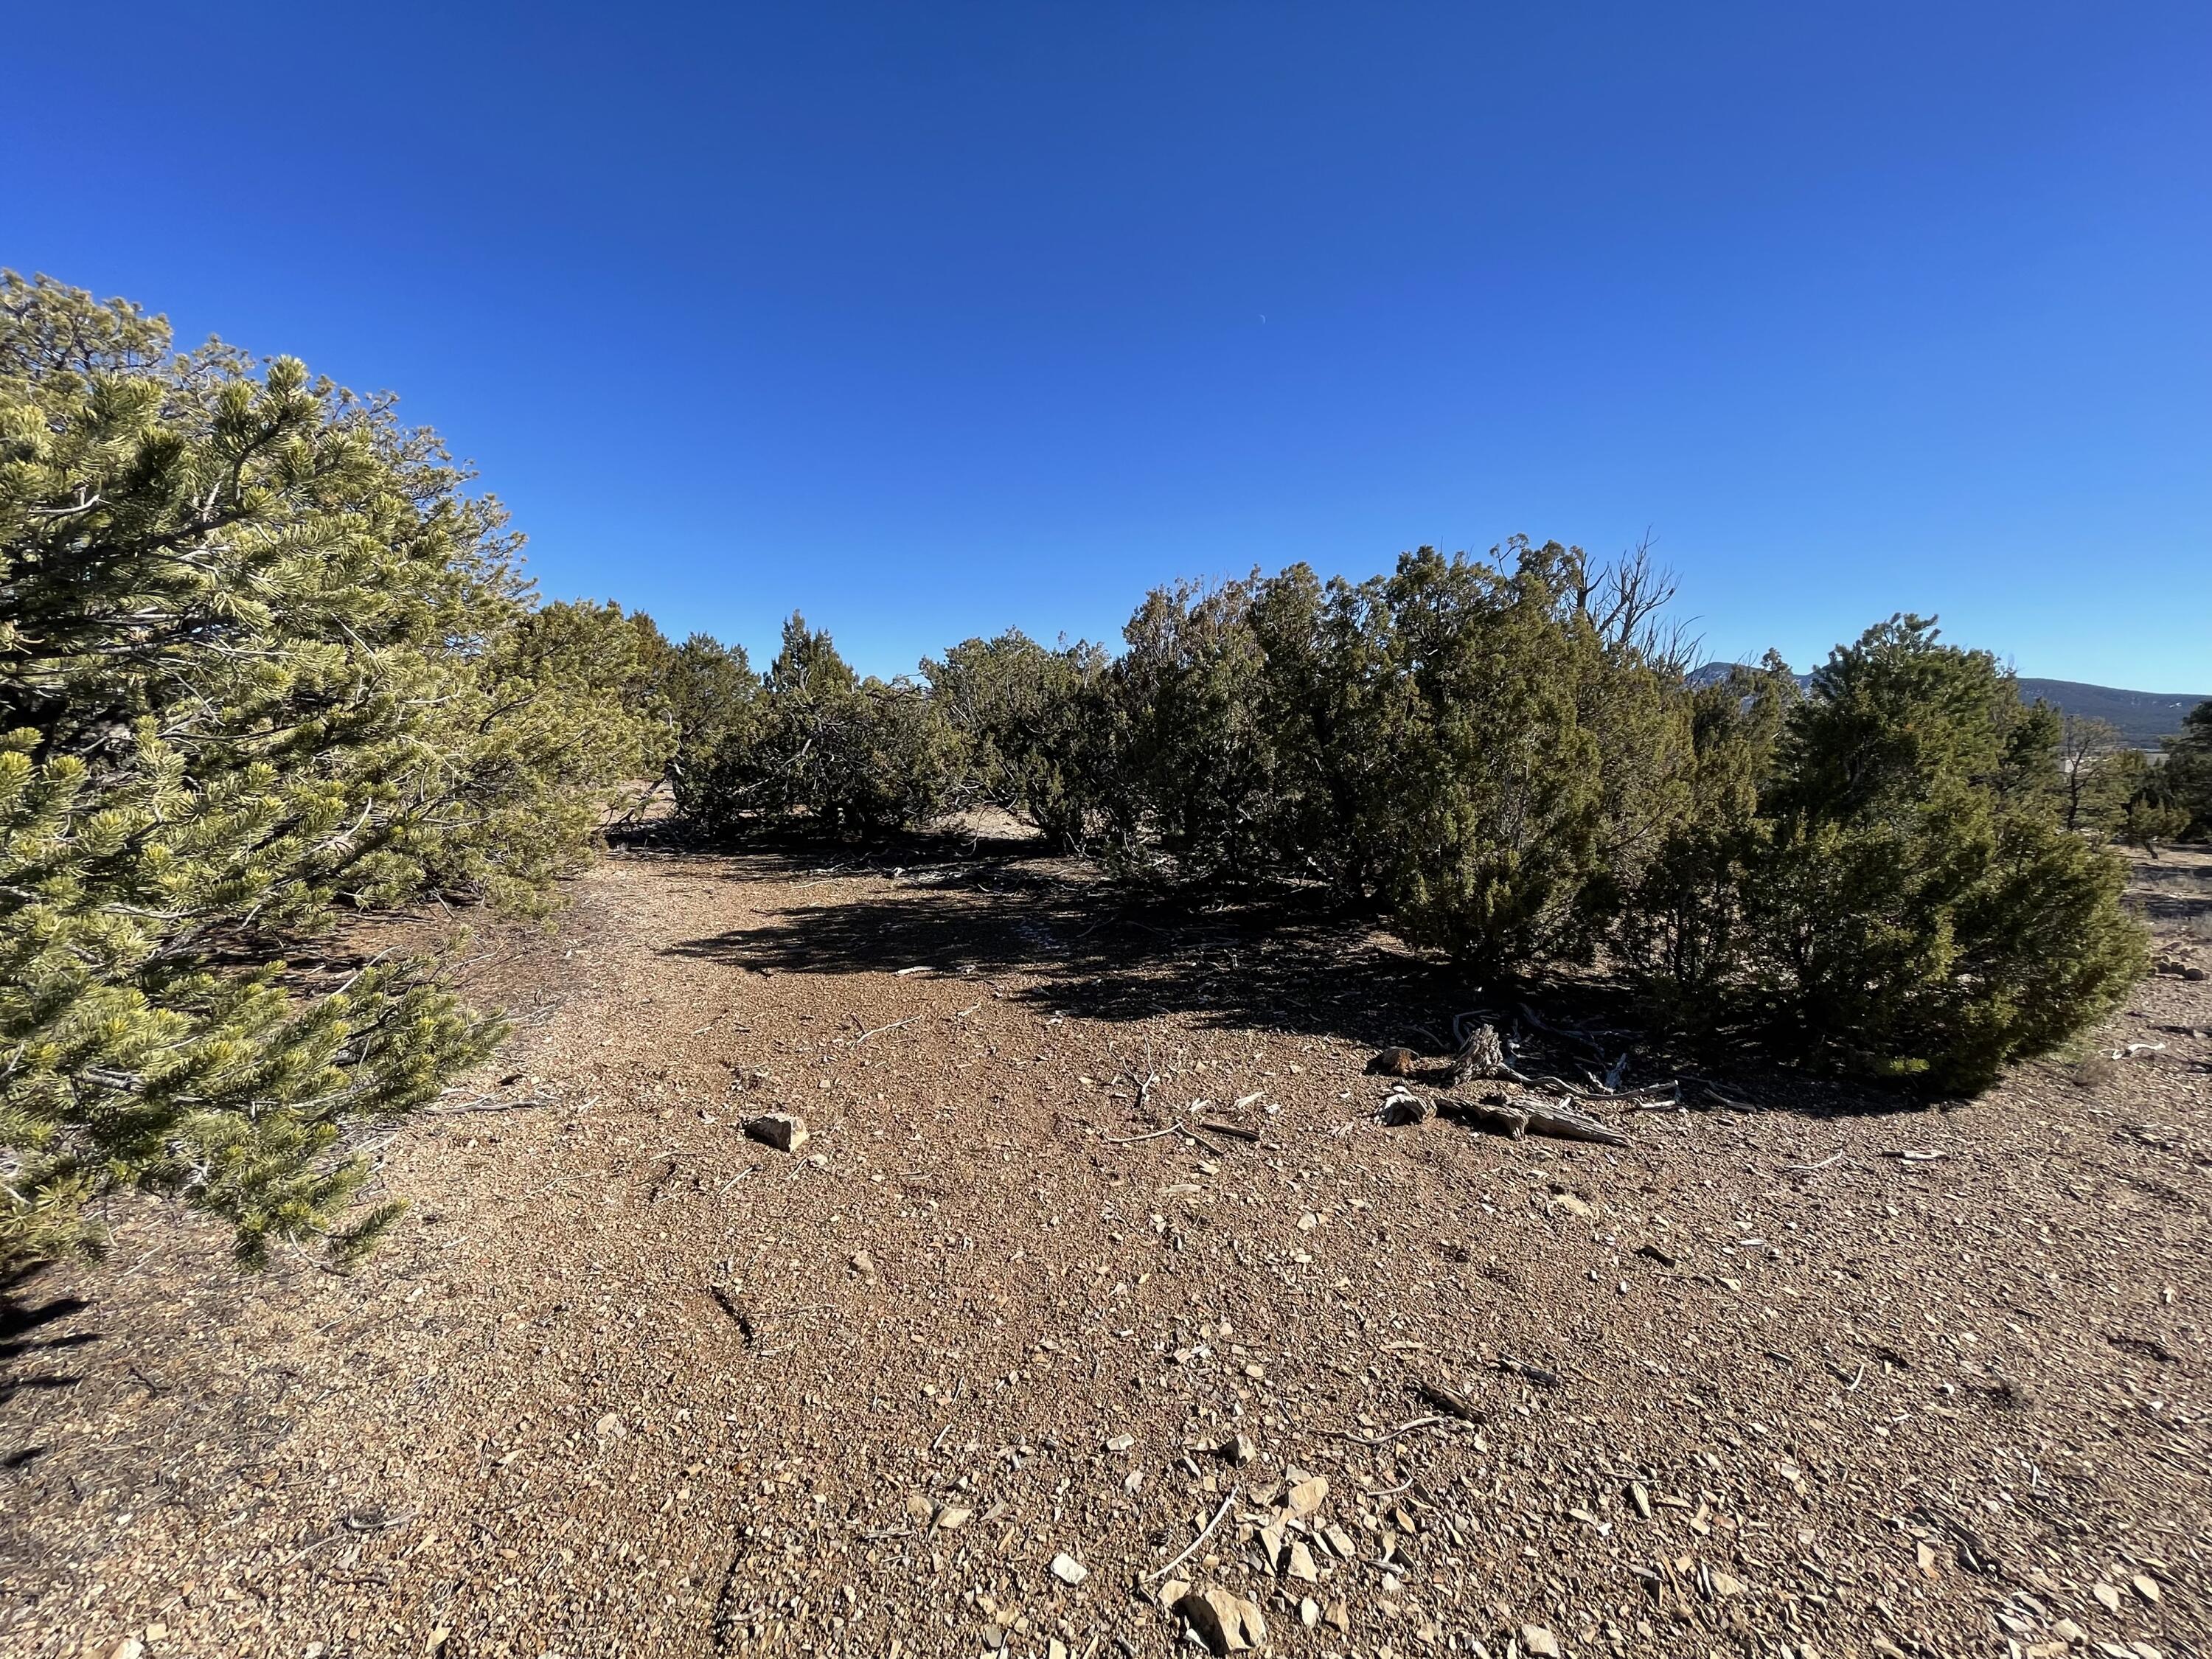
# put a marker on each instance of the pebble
(1068, 1570)
(785, 1130)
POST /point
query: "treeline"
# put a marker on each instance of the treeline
(1504, 759)
(266, 664)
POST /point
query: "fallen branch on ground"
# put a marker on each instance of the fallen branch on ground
(880, 1030)
(1204, 1533)
(1388, 1435)
(1237, 1130)
(1131, 1141)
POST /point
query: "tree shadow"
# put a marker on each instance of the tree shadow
(1288, 961)
(19, 1344)
(1099, 951)
(2175, 891)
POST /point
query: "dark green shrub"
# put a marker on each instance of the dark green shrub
(1532, 756)
(714, 704)
(1907, 905)
(1036, 728)
(2176, 799)
(824, 751)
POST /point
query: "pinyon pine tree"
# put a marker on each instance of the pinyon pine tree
(265, 664)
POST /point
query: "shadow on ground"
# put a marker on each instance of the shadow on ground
(1096, 953)
(1089, 948)
(2175, 890)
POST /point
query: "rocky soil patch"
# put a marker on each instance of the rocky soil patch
(1102, 1309)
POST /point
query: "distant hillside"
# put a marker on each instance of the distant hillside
(2142, 717)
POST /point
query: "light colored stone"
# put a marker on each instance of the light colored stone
(952, 1516)
(1539, 1642)
(1068, 1570)
(1227, 1623)
(1239, 1449)
(1275, 1542)
(785, 1130)
(1302, 1565)
(1307, 1497)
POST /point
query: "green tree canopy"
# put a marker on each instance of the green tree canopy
(265, 663)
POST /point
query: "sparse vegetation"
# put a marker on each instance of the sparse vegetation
(270, 666)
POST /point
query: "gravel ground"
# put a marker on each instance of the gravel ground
(973, 1366)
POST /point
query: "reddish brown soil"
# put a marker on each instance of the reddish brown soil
(618, 1384)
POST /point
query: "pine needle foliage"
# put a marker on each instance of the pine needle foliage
(1905, 901)
(264, 665)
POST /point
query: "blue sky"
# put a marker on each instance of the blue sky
(932, 319)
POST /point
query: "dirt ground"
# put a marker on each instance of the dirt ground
(956, 1375)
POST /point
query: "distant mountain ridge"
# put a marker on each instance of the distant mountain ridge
(2144, 718)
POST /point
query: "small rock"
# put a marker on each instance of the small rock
(129, 1648)
(1173, 1591)
(1309, 1613)
(1302, 1565)
(919, 1508)
(1723, 1584)
(1239, 1449)
(2108, 1595)
(1307, 1497)
(952, 1516)
(1641, 1498)
(1340, 1541)
(2145, 1586)
(1068, 1570)
(609, 1427)
(1539, 1642)
(1573, 1205)
(864, 1265)
(785, 1130)
(1226, 1623)
(1120, 1442)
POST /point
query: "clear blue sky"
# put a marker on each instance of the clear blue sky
(933, 319)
